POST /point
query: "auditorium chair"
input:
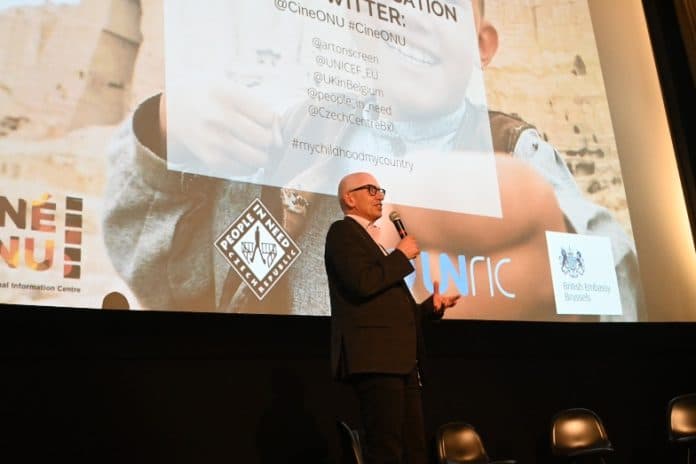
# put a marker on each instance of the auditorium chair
(578, 436)
(351, 450)
(460, 443)
(681, 419)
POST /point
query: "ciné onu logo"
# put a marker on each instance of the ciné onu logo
(29, 229)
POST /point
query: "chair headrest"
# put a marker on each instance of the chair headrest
(350, 442)
(682, 418)
(578, 431)
(459, 443)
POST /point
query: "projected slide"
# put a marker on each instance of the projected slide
(331, 88)
(185, 155)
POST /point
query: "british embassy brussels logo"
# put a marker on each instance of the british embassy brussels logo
(572, 263)
(583, 274)
(258, 248)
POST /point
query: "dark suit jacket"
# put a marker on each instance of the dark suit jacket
(375, 322)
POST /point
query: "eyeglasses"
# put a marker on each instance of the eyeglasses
(371, 189)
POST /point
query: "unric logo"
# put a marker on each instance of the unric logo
(258, 248)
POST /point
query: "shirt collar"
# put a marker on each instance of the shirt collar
(366, 223)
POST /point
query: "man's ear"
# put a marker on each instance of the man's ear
(488, 42)
(348, 201)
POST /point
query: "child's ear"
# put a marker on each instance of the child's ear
(488, 42)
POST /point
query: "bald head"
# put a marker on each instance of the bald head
(351, 181)
(359, 202)
(355, 179)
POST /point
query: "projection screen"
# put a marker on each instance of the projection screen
(186, 155)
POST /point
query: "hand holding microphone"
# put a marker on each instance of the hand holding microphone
(407, 245)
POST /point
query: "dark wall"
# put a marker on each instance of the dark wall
(111, 386)
(512, 378)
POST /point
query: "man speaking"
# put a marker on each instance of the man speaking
(376, 338)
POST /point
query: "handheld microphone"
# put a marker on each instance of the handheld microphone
(396, 219)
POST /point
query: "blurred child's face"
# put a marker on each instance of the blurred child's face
(429, 76)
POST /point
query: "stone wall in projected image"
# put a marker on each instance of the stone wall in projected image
(547, 71)
(65, 83)
(69, 66)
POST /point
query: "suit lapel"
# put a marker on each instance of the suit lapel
(365, 235)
